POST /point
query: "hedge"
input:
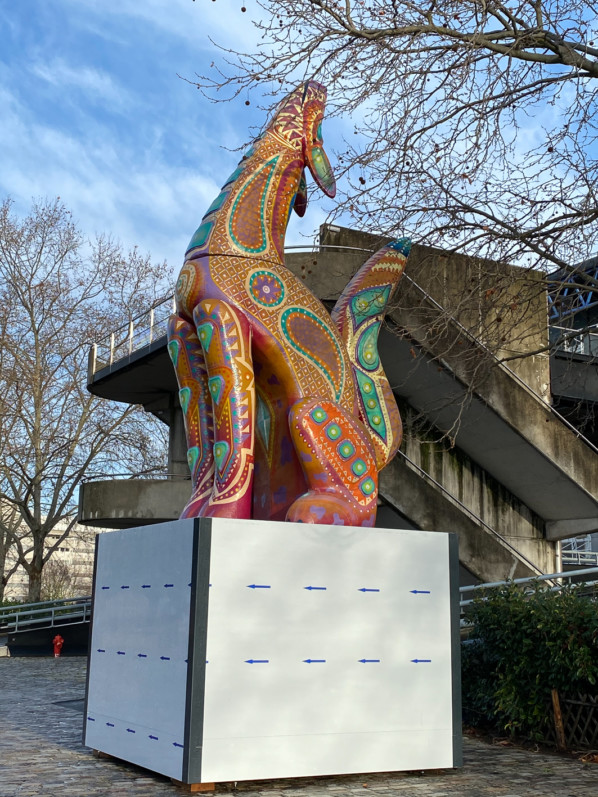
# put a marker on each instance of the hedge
(522, 645)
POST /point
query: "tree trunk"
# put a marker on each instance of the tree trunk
(35, 583)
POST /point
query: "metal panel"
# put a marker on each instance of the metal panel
(198, 624)
(329, 651)
(137, 688)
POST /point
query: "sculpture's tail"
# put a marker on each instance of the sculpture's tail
(358, 315)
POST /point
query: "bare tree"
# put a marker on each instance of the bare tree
(63, 580)
(57, 293)
(474, 119)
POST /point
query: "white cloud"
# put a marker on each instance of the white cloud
(107, 187)
(181, 19)
(96, 84)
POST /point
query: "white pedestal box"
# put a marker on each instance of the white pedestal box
(227, 650)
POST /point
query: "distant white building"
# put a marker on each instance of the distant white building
(69, 571)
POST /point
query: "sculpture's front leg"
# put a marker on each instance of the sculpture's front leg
(225, 336)
(187, 357)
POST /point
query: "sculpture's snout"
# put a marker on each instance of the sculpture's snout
(316, 159)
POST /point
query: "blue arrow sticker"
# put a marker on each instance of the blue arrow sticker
(314, 661)
(258, 586)
(155, 738)
(91, 719)
(165, 658)
(367, 589)
(142, 655)
(146, 586)
(110, 724)
(169, 585)
(101, 650)
(420, 591)
(121, 653)
(257, 661)
(176, 744)
(105, 587)
(125, 586)
(369, 661)
(130, 730)
(310, 588)
(421, 661)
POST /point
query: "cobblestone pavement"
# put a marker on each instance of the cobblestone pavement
(41, 753)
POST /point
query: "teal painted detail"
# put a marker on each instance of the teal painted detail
(346, 449)
(192, 457)
(359, 467)
(333, 431)
(319, 415)
(231, 179)
(221, 450)
(322, 166)
(269, 166)
(402, 245)
(201, 235)
(263, 421)
(368, 303)
(184, 397)
(173, 351)
(367, 486)
(217, 203)
(341, 360)
(367, 348)
(204, 333)
(216, 386)
(371, 402)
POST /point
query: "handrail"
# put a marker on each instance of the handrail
(578, 557)
(158, 476)
(473, 515)
(575, 341)
(563, 576)
(45, 614)
(503, 365)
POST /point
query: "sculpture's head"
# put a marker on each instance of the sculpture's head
(298, 119)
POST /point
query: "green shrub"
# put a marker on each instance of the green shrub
(522, 646)
(9, 602)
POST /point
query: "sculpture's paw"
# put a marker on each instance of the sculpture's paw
(327, 508)
(238, 510)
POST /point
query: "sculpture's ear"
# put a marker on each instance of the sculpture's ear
(300, 205)
(315, 156)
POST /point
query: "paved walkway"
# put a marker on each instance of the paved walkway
(41, 753)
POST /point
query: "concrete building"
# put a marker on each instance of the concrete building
(68, 573)
(466, 349)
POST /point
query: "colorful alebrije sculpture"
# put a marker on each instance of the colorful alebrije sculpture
(288, 413)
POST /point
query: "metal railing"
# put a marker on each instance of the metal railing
(559, 580)
(573, 342)
(139, 332)
(44, 614)
(476, 518)
(588, 558)
(521, 382)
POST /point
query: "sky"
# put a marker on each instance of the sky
(96, 111)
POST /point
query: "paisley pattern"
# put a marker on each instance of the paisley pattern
(311, 338)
